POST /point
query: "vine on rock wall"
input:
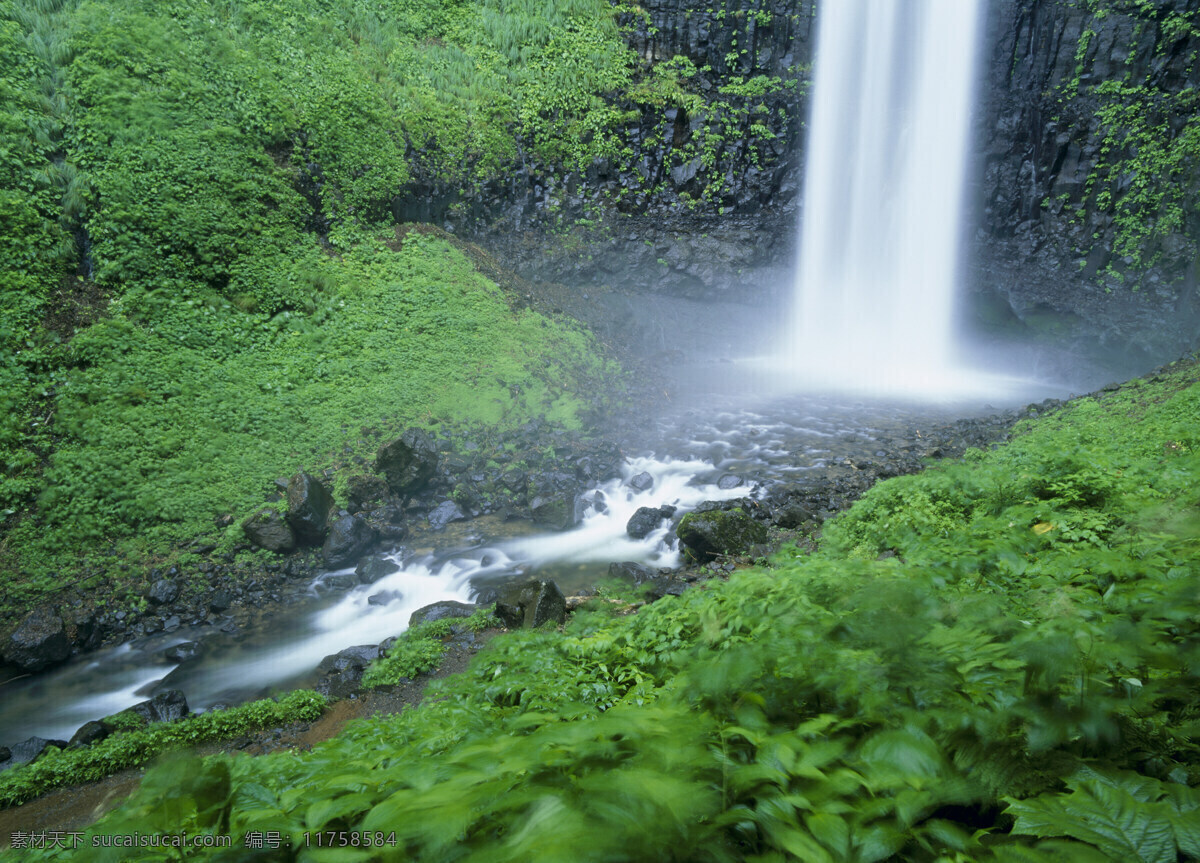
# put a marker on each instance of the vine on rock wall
(1143, 184)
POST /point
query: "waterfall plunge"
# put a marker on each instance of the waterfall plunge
(886, 162)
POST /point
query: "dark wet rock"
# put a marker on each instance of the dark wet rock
(444, 513)
(660, 586)
(408, 462)
(349, 537)
(163, 592)
(268, 529)
(172, 623)
(630, 571)
(388, 522)
(364, 489)
(39, 642)
(371, 569)
(182, 652)
(29, 750)
(531, 604)
(642, 481)
(164, 707)
(794, 514)
(341, 581)
(222, 599)
(89, 733)
(729, 481)
(647, 519)
(309, 504)
(385, 597)
(341, 673)
(707, 534)
(5, 754)
(441, 611)
(552, 499)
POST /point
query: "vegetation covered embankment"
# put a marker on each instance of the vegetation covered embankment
(195, 298)
(992, 660)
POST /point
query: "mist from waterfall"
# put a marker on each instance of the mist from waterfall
(883, 209)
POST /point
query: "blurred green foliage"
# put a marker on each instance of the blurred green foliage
(999, 688)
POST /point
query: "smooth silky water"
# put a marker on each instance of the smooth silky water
(872, 330)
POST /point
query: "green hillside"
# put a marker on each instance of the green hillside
(195, 297)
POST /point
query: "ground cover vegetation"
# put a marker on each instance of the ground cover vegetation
(133, 743)
(995, 659)
(193, 294)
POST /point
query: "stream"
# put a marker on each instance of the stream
(744, 439)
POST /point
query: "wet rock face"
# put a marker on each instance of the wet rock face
(39, 642)
(349, 537)
(1043, 242)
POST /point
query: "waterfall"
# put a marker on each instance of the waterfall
(882, 217)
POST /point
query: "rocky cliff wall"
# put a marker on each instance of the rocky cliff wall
(1088, 171)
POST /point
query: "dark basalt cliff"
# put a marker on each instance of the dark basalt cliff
(1048, 245)
(1048, 189)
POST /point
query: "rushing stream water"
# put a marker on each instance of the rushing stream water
(736, 446)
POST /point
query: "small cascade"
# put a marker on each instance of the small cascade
(882, 218)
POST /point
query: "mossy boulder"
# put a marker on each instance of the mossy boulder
(707, 535)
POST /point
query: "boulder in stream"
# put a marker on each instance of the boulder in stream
(371, 569)
(39, 642)
(164, 707)
(444, 513)
(647, 519)
(552, 499)
(341, 672)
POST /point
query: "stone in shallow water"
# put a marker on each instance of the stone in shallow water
(641, 482)
(729, 481)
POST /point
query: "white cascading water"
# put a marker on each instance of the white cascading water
(886, 163)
